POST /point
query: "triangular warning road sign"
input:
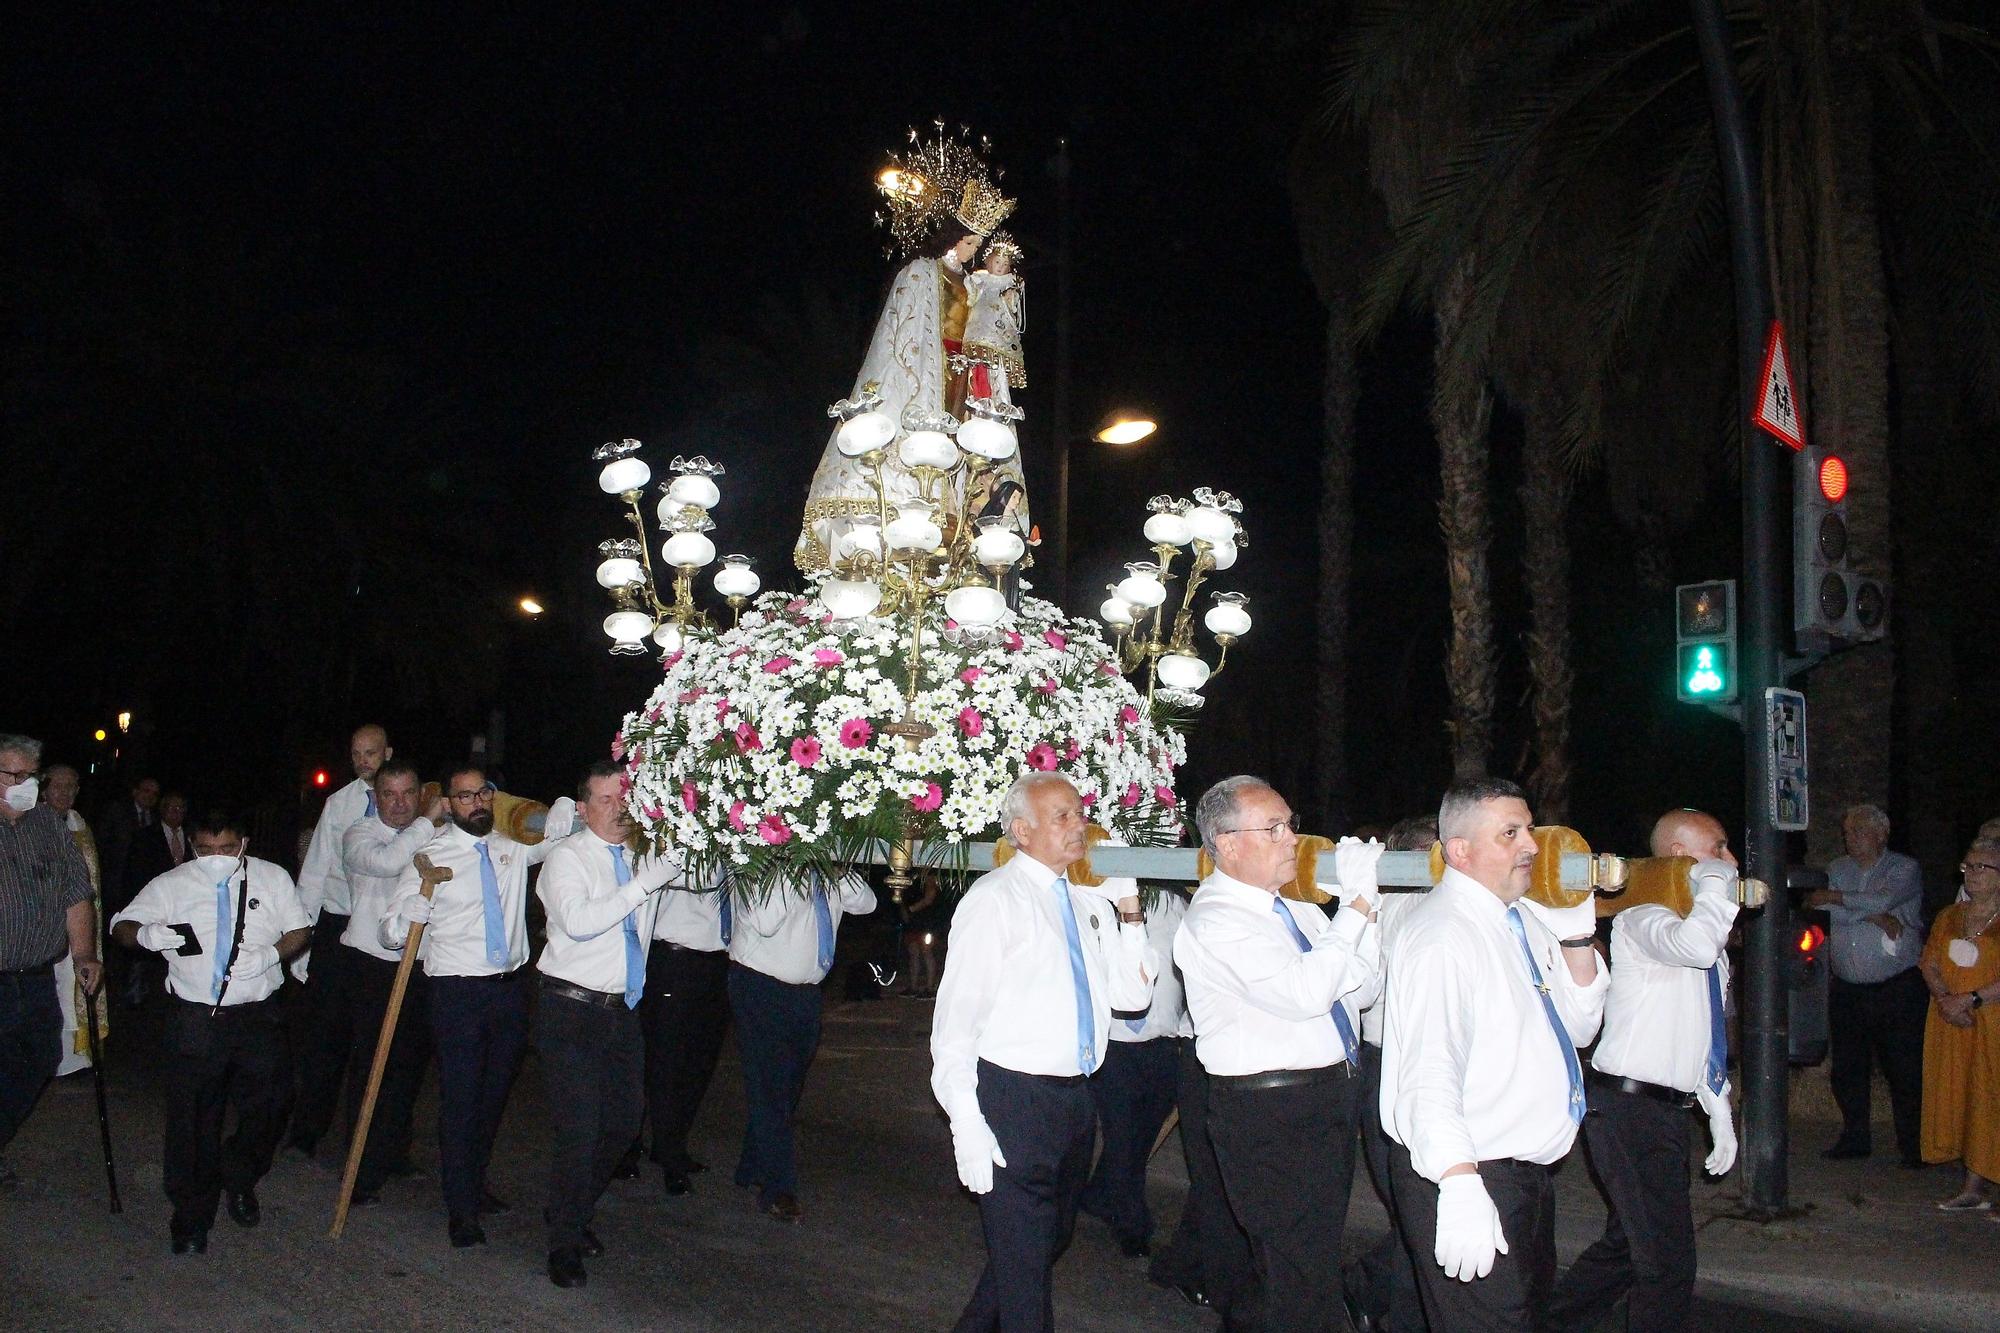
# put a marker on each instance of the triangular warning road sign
(1777, 402)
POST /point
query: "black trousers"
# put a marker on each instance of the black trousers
(684, 1015)
(324, 1030)
(370, 980)
(30, 1043)
(591, 1063)
(1287, 1158)
(236, 1056)
(1511, 1297)
(480, 1027)
(1881, 1023)
(777, 1032)
(1209, 1250)
(1388, 1276)
(1639, 1152)
(1044, 1127)
(1133, 1090)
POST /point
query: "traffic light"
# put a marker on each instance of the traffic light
(320, 777)
(1705, 642)
(1832, 604)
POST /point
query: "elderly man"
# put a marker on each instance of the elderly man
(1489, 998)
(1665, 1048)
(60, 784)
(1035, 968)
(1876, 1000)
(45, 915)
(1275, 988)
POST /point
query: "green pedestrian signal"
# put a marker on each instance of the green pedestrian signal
(1705, 642)
(1705, 672)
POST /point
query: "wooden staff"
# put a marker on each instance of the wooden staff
(1165, 1129)
(431, 876)
(103, 1111)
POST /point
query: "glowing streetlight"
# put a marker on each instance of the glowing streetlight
(99, 734)
(529, 606)
(1124, 428)
(124, 722)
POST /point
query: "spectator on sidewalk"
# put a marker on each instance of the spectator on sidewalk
(60, 784)
(1876, 998)
(1961, 966)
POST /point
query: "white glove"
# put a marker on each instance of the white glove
(977, 1151)
(1468, 1234)
(1721, 1128)
(1567, 923)
(416, 910)
(253, 960)
(1717, 877)
(560, 821)
(302, 965)
(159, 938)
(1354, 863)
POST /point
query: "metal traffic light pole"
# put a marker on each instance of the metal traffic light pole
(1766, 585)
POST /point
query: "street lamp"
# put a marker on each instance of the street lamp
(1118, 427)
(530, 607)
(1124, 428)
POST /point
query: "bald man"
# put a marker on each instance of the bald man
(1664, 1050)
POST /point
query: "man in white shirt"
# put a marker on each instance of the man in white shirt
(1664, 1049)
(780, 950)
(376, 851)
(1489, 998)
(685, 1014)
(325, 1022)
(1275, 988)
(475, 953)
(225, 922)
(1035, 968)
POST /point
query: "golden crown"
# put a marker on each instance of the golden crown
(981, 207)
(1002, 241)
(945, 175)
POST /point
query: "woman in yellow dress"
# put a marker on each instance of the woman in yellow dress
(1961, 965)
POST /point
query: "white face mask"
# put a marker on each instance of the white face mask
(21, 796)
(218, 866)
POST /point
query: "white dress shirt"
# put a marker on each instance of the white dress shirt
(587, 908)
(374, 857)
(1258, 1001)
(1390, 912)
(1471, 1070)
(185, 896)
(1656, 1021)
(780, 936)
(690, 917)
(1008, 995)
(323, 883)
(455, 941)
(1861, 951)
(1168, 1015)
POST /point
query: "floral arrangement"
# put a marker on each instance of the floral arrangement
(768, 750)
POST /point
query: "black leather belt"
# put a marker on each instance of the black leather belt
(1281, 1078)
(1638, 1087)
(29, 973)
(602, 999)
(686, 948)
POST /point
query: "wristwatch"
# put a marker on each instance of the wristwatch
(1579, 942)
(1133, 918)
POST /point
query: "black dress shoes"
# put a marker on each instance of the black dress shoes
(243, 1208)
(677, 1182)
(1187, 1291)
(190, 1241)
(489, 1202)
(465, 1232)
(566, 1268)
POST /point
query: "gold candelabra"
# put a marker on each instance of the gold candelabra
(1136, 611)
(626, 570)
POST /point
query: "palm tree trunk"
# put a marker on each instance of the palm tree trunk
(1461, 408)
(1336, 562)
(1545, 494)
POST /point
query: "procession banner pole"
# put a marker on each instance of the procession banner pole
(431, 876)
(103, 1110)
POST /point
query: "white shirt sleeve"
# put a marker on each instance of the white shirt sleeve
(1270, 973)
(1665, 938)
(974, 966)
(381, 859)
(579, 907)
(1430, 999)
(322, 858)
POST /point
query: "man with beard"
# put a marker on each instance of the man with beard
(475, 954)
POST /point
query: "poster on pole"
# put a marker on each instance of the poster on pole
(1787, 801)
(1777, 401)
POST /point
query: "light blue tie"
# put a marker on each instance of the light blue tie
(225, 934)
(1341, 1023)
(1086, 1016)
(728, 916)
(823, 917)
(635, 954)
(371, 805)
(1716, 1073)
(1555, 1023)
(496, 923)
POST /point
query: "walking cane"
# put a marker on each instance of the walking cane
(431, 876)
(1165, 1129)
(103, 1112)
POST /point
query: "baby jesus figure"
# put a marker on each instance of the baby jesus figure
(993, 328)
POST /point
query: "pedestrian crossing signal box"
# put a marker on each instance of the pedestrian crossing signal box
(1705, 642)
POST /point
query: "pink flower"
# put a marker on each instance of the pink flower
(668, 662)
(747, 738)
(689, 696)
(738, 651)
(1042, 757)
(690, 799)
(828, 657)
(932, 798)
(1163, 794)
(1131, 797)
(1048, 686)
(1088, 799)
(971, 721)
(805, 751)
(652, 812)
(949, 623)
(736, 820)
(1128, 715)
(721, 709)
(1071, 750)
(777, 664)
(1107, 669)
(1012, 640)
(1055, 639)
(855, 732)
(796, 605)
(618, 745)
(774, 830)
(970, 674)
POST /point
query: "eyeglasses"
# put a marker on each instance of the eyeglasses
(1269, 830)
(17, 775)
(480, 794)
(1967, 867)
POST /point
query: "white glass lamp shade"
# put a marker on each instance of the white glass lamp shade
(670, 637)
(687, 550)
(1179, 671)
(998, 546)
(865, 433)
(1208, 524)
(913, 530)
(1116, 611)
(861, 539)
(850, 599)
(694, 489)
(1142, 591)
(1168, 530)
(1227, 618)
(620, 571)
(624, 474)
(991, 440)
(1223, 554)
(928, 448)
(736, 578)
(628, 626)
(975, 607)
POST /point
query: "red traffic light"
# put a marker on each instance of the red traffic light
(1810, 939)
(320, 777)
(1833, 478)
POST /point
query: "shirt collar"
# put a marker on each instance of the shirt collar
(1236, 888)
(1036, 872)
(1467, 889)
